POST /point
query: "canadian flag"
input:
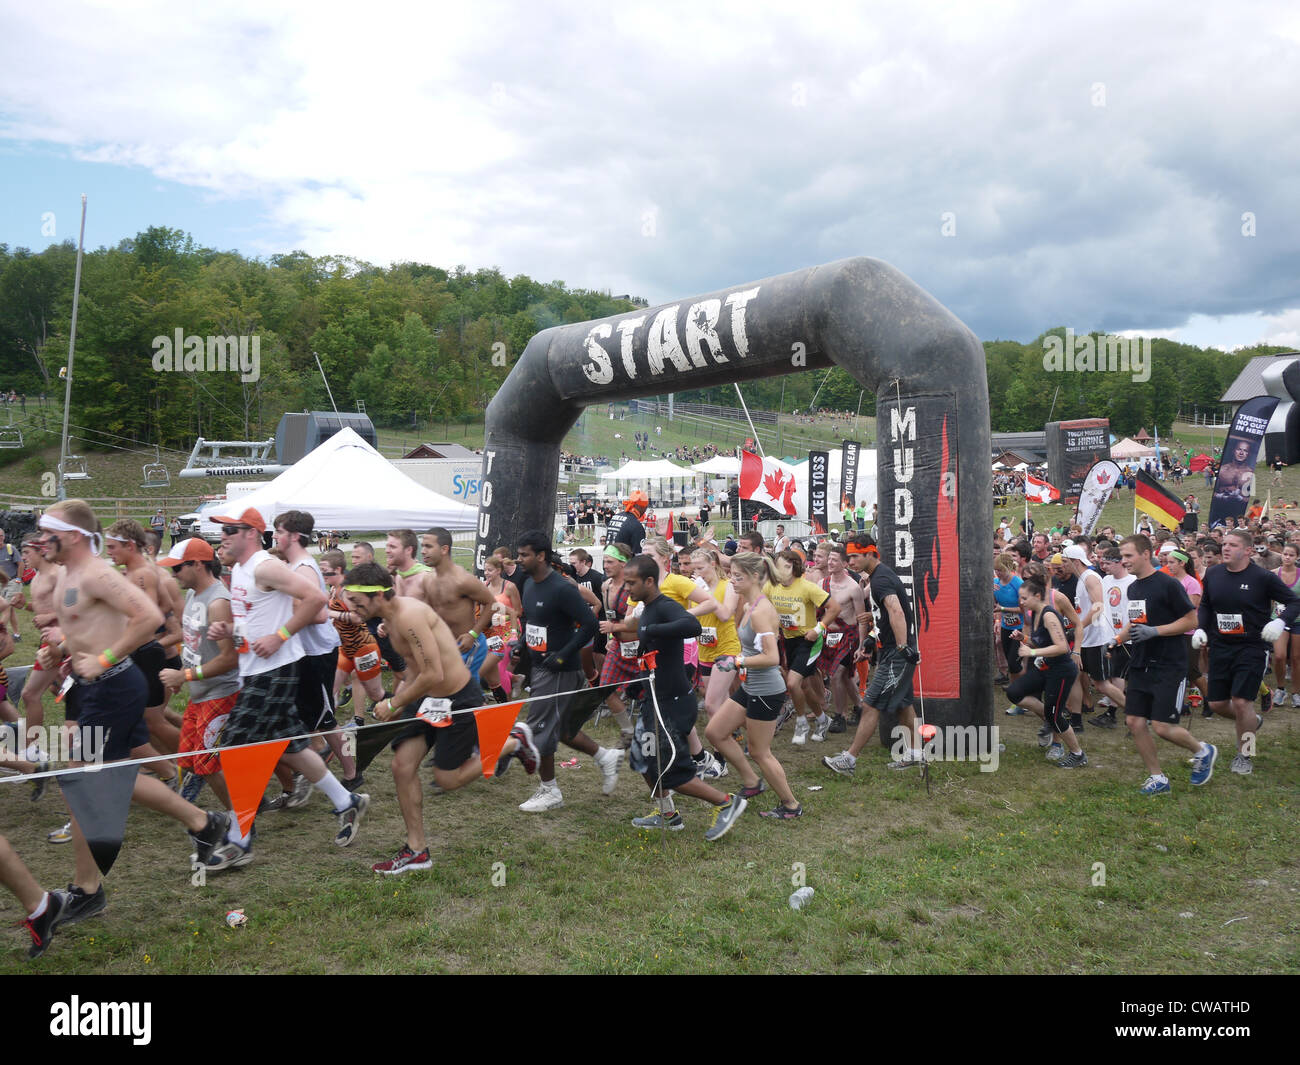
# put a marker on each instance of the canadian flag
(1040, 491)
(762, 480)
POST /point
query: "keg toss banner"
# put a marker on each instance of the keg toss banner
(925, 367)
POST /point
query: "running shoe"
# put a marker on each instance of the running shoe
(1259, 722)
(350, 820)
(1105, 720)
(1014, 711)
(819, 729)
(1279, 697)
(78, 906)
(544, 798)
(354, 782)
(1295, 700)
(1045, 736)
(782, 813)
(787, 712)
(301, 792)
(725, 817)
(1001, 680)
(756, 790)
(231, 855)
(406, 861)
(801, 731)
(1242, 766)
(42, 928)
(838, 724)
(905, 763)
(1072, 761)
(1055, 751)
(1155, 786)
(1203, 767)
(655, 819)
(345, 696)
(1206, 712)
(192, 786)
(39, 786)
(608, 763)
(211, 836)
(843, 764)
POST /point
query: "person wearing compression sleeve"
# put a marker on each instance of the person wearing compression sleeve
(1233, 617)
(557, 624)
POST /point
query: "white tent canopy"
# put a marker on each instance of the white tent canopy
(345, 484)
(658, 470)
(1129, 448)
(719, 466)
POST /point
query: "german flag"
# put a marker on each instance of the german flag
(1158, 501)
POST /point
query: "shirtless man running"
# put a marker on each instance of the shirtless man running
(457, 596)
(102, 617)
(446, 724)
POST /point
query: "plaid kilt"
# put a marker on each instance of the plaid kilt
(841, 655)
(619, 670)
(267, 709)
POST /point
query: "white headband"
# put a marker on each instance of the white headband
(53, 524)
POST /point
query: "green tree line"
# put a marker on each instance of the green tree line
(416, 343)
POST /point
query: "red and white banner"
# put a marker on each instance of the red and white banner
(762, 480)
(1040, 491)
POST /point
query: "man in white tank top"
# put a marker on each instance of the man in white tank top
(263, 591)
(1094, 632)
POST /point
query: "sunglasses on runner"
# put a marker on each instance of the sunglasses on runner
(232, 530)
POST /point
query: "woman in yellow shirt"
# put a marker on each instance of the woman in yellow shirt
(718, 638)
(797, 602)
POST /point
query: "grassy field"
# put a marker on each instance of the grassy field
(989, 872)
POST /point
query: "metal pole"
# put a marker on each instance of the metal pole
(326, 380)
(757, 442)
(72, 343)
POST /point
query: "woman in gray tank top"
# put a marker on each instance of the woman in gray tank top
(757, 703)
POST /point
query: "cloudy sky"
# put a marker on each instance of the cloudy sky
(1111, 165)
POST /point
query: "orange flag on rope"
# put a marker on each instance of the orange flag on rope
(494, 725)
(247, 769)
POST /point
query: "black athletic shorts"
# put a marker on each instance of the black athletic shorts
(1155, 694)
(759, 707)
(316, 690)
(151, 658)
(1119, 659)
(890, 686)
(110, 713)
(452, 744)
(1236, 670)
(1095, 662)
(796, 655)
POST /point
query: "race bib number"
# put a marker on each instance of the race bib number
(789, 621)
(240, 635)
(496, 645)
(833, 639)
(190, 659)
(368, 660)
(1137, 611)
(1231, 624)
(629, 650)
(708, 636)
(435, 712)
(535, 637)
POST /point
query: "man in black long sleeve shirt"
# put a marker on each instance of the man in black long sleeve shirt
(1234, 618)
(557, 625)
(659, 750)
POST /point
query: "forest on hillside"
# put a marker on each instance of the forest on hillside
(416, 344)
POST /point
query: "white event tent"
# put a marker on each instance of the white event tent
(639, 474)
(346, 485)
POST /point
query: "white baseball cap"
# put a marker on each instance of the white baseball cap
(1076, 552)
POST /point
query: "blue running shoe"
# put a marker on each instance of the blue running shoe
(1203, 766)
(1156, 786)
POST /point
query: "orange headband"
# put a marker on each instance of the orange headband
(854, 549)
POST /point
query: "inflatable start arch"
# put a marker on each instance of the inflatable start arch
(925, 367)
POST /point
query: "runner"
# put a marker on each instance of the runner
(756, 705)
(1047, 646)
(659, 750)
(844, 635)
(39, 599)
(358, 651)
(457, 596)
(271, 605)
(620, 664)
(125, 542)
(1094, 632)
(495, 673)
(626, 528)
(1286, 652)
(1234, 619)
(436, 697)
(210, 667)
(797, 602)
(557, 623)
(1114, 587)
(99, 608)
(320, 644)
(890, 688)
(719, 640)
(1159, 612)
